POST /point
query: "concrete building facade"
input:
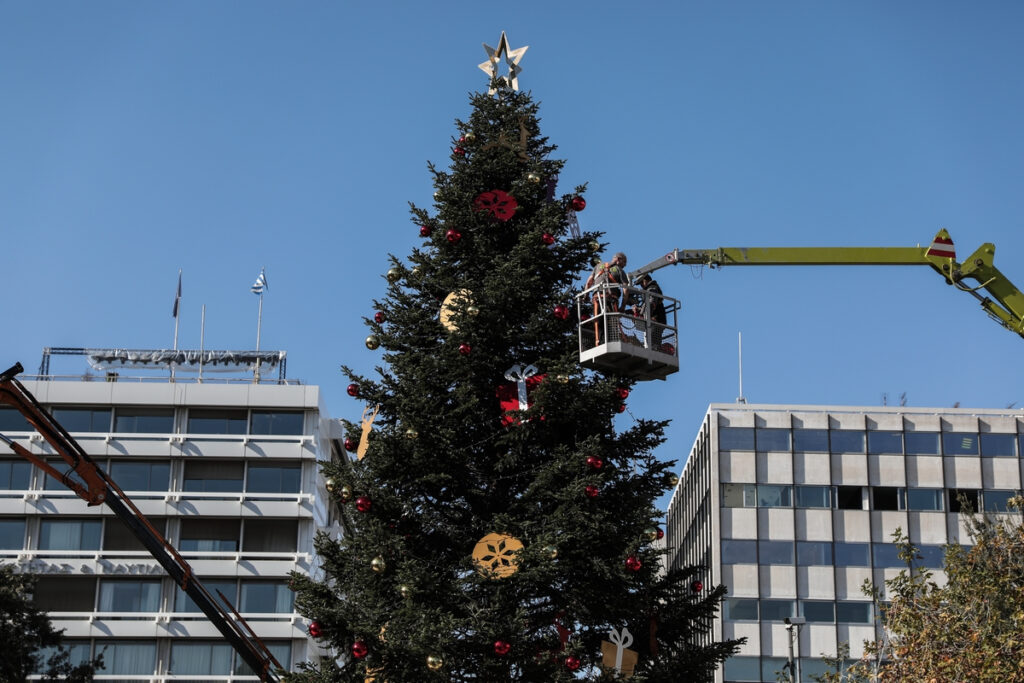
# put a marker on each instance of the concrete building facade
(226, 470)
(794, 507)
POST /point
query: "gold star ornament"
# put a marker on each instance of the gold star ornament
(512, 57)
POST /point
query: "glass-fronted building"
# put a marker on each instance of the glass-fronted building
(225, 470)
(794, 507)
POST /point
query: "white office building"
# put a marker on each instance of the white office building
(794, 507)
(224, 466)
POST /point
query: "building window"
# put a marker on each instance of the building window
(744, 669)
(183, 603)
(265, 597)
(959, 443)
(739, 495)
(930, 557)
(735, 439)
(70, 534)
(959, 498)
(12, 533)
(777, 610)
(270, 535)
(885, 498)
(887, 555)
(213, 477)
(129, 657)
(65, 593)
(847, 441)
(853, 612)
(82, 419)
(15, 475)
(141, 475)
(818, 611)
(770, 439)
(741, 609)
(772, 668)
(923, 499)
(217, 421)
(126, 595)
(885, 443)
(850, 497)
(117, 535)
(996, 501)
(921, 443)
(202, 658)
(739, 552)
(814, 553)
(273, 477)
(144, 420)
(210, 535)
(814, 496)
(13, 421)
(276, 423)
(775, 552)
(998, 445)
(810, 440)
(773, 496)
(282, 651)
(852, 555)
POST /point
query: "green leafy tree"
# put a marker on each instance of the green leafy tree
(31, 646)
(402, 598)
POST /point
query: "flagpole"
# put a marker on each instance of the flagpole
(177, 300)
(259, 325)
(202, 340)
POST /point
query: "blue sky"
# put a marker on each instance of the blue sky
(137, 138)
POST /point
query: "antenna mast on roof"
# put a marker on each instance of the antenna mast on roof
(740, 398)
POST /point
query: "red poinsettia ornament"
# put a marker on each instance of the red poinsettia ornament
(499, 203)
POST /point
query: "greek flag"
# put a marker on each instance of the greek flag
(260, 284)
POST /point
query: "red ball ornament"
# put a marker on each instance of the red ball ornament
(350, 444)
(359, 649)
(621, 408)
(363, 504)
(579, 203)
(592, 491)
(465, 349)
(353, 389)
(633, 563)
(595, 462)
(622, 392)
(573, 663)
(379, 317)
(561, 311)
(668, 348)
(502, 647)
(425, 231)
(314, 629)
(697, 586)
(459, 152)
(548, 239)
(453, 235)
(659, 533)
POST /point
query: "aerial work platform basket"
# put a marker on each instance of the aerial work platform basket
(631, 342)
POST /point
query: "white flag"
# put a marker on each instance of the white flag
(260, 284)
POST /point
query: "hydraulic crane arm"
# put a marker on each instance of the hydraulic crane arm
(1004, 302)
(92, 485)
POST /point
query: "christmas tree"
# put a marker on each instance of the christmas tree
(496, 525)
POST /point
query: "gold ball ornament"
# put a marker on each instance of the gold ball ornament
(411, 433)
(551, 551)
(405, 591)
(470, 136)
(472, 310)
(345, 493)
(563, 379)
(329, 484)
(372, 342)
(417, 271)
(393, 274)
(434, 662)
(497, 555)
(673, 480)
(533, 177)
(595, 259)
(651, 534)
(595, 246)
(378, 564)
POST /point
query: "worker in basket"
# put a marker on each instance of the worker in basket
(607, 299)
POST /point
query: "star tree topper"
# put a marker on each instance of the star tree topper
(512, 57)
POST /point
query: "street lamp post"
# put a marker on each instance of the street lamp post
(793, 625)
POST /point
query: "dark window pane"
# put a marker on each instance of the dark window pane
(282, 651)
(885, 443)
(931, 556)
(266, 596)
(141, 475)
(273, 478)
(265, 422)
(215, 535)
(12, 534)
(144, 420)
(81, 534)
(959, 443)
(924, 499)
(65, 593)
(887, 555)
(995, 501)
(117, 535)
(814, 553)
(810, 440)
(83, 419)
(921, 443)
(739, 552)
(777, 610)
(847, 441)
(739, 495)
(129, 657)
(13, 421)
(183, 603)
(217, 421)
(819, 611)
(850, 497)
(960, 497)
(772, 439)
(744, 609)
(772, 496)
(772, 668)
(271, 535)
(735, 439)
(998, 445)
(852, 555)
(775, 552)
(217, 476)
(129, 595)
(14, 475)
(743, 669)
(885, 498)
(814, 496)
(201, 658)
(853, 612)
